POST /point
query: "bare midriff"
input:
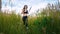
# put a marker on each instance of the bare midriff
(24, 14)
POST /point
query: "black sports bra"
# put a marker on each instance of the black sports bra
(26, 12)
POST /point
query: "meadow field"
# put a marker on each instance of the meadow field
(44, 24)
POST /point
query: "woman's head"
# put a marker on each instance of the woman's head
(25, 7)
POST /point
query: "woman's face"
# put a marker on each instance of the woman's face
(26, 7)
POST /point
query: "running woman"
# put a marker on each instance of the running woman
(25, 15)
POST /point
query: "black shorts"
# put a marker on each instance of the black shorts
(24, 18)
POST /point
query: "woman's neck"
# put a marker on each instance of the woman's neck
(25, 10)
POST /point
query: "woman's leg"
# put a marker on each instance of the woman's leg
(25, 21)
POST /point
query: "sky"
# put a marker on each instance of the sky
(18, 4)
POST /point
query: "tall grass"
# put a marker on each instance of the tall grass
(12, 24)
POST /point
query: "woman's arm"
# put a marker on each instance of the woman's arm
(22, 12)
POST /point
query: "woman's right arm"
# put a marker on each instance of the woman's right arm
(22, 12)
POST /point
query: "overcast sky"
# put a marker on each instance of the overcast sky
(18, 4)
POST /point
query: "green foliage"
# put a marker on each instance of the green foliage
(47, 22)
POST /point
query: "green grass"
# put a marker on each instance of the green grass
(12, 24)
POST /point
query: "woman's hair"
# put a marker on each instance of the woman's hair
(25, 7)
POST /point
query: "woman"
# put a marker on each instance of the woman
(25, 16)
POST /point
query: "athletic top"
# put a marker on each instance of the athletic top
(26, 12)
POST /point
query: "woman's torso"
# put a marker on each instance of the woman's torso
(25, 13)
